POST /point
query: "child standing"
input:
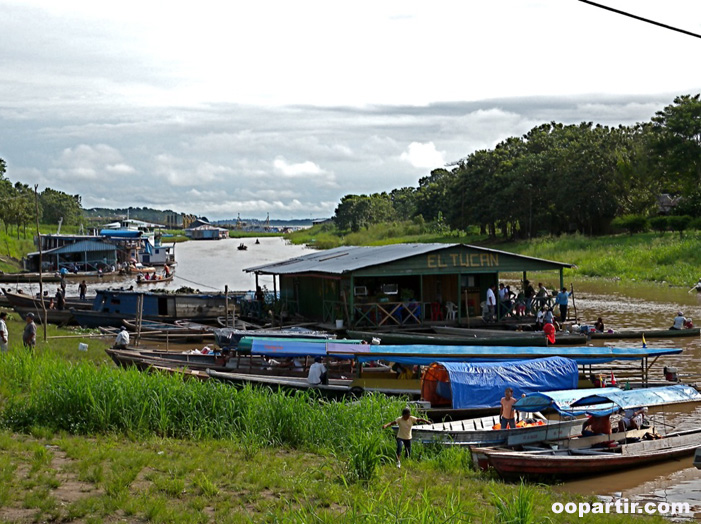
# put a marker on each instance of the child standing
(405, 423)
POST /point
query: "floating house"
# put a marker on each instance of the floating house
(201, 230)
(395, 285)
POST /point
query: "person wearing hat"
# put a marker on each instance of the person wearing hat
(679, 321)
(29, 335)
(4, 334)
(122, 340)
(317, 373)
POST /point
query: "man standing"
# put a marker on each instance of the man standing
(507, 415)
(491, 303)
(29, 335)
(82, 289)
(561, 301)
(4, 334)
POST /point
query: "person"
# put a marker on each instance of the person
(548, 317)
(82, 289)
(29, 335)
(539, 318)
(122, 340)
(491, 303)
(63, 285)
(679, 321)
(632, 419)
(166, 271)
(599, 325)
(529, 294)
(520, 304)
(259, 296)
(561, 301)
(597, 425)
(549, 330)
(60, 300)
(4, 334)
(318, 373)
(405, 423)
(542, 294)
(507, 416)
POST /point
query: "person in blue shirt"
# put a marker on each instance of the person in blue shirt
(561, 301)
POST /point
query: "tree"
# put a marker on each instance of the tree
(678, 132)
(57, 205)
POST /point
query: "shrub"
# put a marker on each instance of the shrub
(631, 223)
(695, 224)
(679, 223)
(659, 224)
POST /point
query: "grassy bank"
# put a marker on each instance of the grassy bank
(87, 442)
(642, 257)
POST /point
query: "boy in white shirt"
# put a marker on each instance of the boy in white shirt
(405, 423)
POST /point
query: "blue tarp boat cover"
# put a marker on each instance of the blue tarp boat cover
(286, 348)
(560, 401)
(120, 233)
(481, 385)
(636, 398)
(423, 354)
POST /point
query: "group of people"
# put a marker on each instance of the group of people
(29, 335)
(529, 301)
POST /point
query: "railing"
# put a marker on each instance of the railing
(378, 314)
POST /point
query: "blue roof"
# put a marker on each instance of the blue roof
(120, 233)
(482, 384)
(84, 246)
(422, 354)
(636, 398)
(560, 401)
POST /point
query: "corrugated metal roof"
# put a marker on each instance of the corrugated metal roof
(352, 258)
(82, 247)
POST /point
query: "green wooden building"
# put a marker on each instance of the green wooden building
(394, 285)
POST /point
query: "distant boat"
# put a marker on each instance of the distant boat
(157, 279)
(257, 241)
(242, 247)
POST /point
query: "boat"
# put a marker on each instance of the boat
(193, 332)
(110, 307)
(26, 300)
(564, 460)
(334, 389)
(242, 247)
(562, 463)
(229, 338)
(61, 317)
(28, 278)
(399, 338)
(157, 279)
(483, 431)
(647, 333)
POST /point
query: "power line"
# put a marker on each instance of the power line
(641, 18)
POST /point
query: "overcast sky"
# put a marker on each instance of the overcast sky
(284, 107)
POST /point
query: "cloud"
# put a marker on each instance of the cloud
(287, 169)
(423, 155)
(88, 163)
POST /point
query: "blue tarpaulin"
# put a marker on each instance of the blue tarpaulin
(120, 233)
(481, 385)
(560, 401)
(637, 398)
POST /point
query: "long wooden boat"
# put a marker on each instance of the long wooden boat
(110, 307)
(334, 389)
(647, 333)
(27, 278)
(406, 338)
(484, 332)
(28, 301)
(480, 432)
(562, 463)
(171, 328)
(60, 317)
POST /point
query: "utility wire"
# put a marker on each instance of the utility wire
(641, 18)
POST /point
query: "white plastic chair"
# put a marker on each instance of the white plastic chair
(450, 311)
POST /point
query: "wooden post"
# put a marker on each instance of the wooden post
(41, 262)
(574, 304)
(226, 306)
(467, 311)
(139, 315)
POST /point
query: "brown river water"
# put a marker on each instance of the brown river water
(210, 265)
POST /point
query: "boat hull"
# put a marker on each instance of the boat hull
(654, 333)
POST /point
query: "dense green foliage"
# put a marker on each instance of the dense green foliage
(555, 179)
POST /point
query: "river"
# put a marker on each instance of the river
(210, 265)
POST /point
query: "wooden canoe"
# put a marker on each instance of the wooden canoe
(650, 333)
(562, 463)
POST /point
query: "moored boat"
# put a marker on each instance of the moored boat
(647, 333)
(563, 463)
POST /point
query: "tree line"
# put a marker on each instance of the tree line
(18, 205)
(555, 179)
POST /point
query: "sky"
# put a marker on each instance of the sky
(284, 107)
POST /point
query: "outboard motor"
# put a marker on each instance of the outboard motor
(670, 374)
